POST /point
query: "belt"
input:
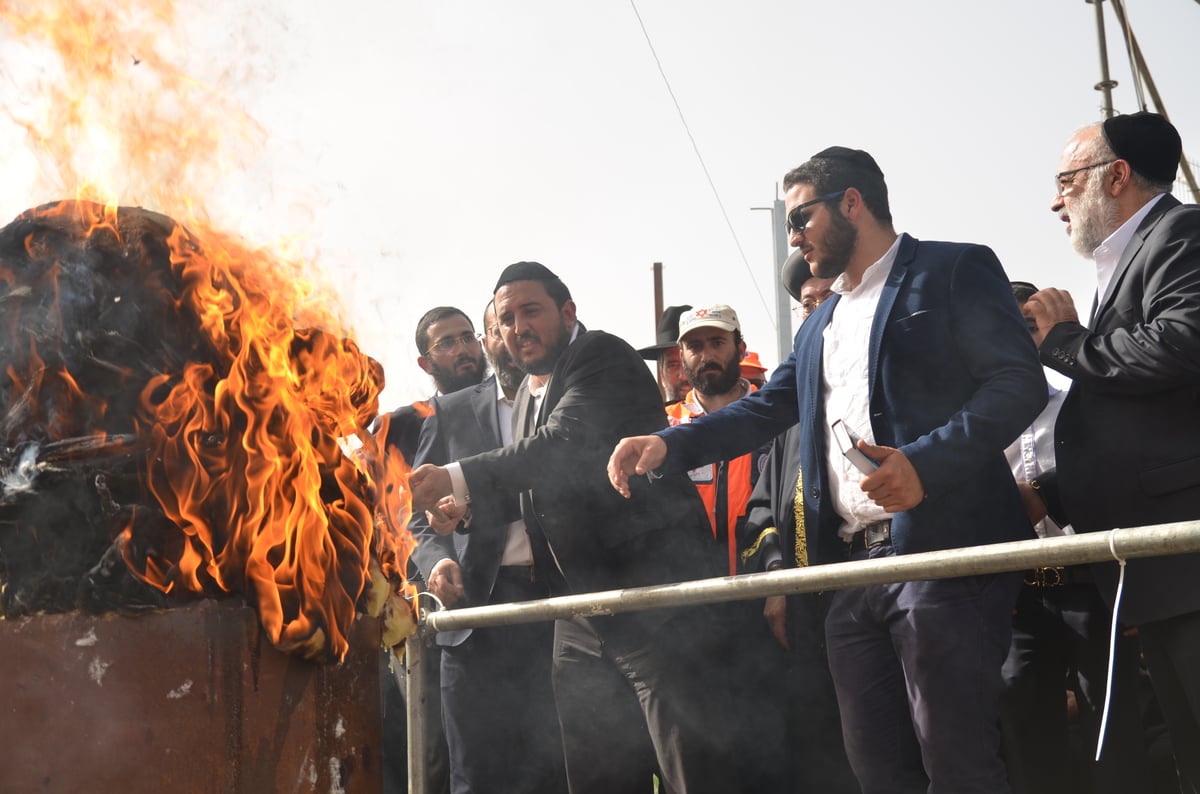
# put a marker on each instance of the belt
(872, 535)
(1058, 576)
(520, 573)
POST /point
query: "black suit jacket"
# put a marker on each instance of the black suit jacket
(599, 392)
(1127, 441)
(464, 423)
(404, 428)
(771, 512)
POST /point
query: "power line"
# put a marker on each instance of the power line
(703, 167)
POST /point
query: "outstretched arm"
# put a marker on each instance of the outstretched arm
(635, 455)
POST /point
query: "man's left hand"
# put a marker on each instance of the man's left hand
(1049, 307)
(895, 485)
(429, 484)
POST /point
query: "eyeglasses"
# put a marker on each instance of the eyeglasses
(809, 305)
(796, 220)
(448, 343)
(1064, 179)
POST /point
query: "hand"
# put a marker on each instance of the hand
(1032, 501)
(428, 484)
(446, 515)
(1049, 308)
(634, 455)
(445, 582)
(775, 612)
(895, 485)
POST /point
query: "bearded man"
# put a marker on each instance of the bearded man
(1127, 440)
(636, 693)
(922, 350)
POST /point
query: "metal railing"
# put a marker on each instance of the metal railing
(1149, 541)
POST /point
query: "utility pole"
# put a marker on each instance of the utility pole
(783, 306)
(658, 294)
(1106, 84)
(1142, 72)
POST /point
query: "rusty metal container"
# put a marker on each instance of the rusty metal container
(185, 700)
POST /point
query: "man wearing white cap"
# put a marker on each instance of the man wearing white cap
(712, 348)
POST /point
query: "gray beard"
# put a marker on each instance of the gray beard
(1096, 216)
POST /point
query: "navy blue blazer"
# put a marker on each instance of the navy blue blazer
(464, 423)
(954, 377)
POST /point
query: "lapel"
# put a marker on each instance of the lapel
(556, 385)
(1144, 229)
(887, 299)
(522, 404)
(487, 412)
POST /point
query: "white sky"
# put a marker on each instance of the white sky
(422, 145)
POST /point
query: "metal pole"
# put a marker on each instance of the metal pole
(1106, 84)
(416, 700)
(1140, 63)
(783, 306)
(1019, 555)
(658, 294)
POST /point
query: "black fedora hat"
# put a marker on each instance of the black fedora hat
(668, 333)
(795, 272)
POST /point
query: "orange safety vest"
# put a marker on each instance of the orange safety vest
(724, 486)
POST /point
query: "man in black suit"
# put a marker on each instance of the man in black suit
(1127, 439)
(672, 380)
(497, 702)
(632, 691)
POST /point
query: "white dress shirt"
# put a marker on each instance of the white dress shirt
(1108, 254)
(845, 345)
(1032, 454)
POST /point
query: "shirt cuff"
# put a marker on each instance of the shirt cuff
(458, 484)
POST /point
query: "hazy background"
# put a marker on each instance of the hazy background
(415, 148)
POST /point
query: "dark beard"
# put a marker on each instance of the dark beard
(840, 240)
(709, 384)
(508, 374)
(545, 364)
(448, 381)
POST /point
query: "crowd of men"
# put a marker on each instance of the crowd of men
(572, 469)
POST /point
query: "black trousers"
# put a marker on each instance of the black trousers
(1171, 648)
(1062, 632)
(814, 726)
(498, 705)
(634, 702)
(917, 671)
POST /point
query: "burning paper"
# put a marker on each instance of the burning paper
(176, 402)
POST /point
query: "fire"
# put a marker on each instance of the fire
(245, 396)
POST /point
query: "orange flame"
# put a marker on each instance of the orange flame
(257, 452)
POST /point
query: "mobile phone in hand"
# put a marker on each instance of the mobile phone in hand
(847, 441)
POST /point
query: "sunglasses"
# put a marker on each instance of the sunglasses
(797, 220)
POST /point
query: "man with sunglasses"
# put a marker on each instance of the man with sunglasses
(920, 349)
(1127, 439)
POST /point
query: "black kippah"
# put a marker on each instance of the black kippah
(856, 157)
(524, 271)
(1148, 142)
